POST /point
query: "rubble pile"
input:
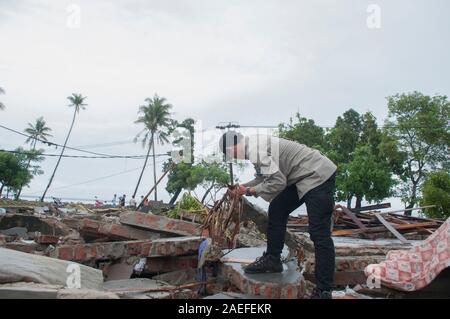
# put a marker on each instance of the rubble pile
(133, 254)
(120, 253)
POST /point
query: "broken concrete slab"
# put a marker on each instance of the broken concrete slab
(113, 231)
(74, 223)
(160, 223)
(168, 264)
(115, 250)
(26, 246)
(47, 226)
(85, 294)
(178, 277)
(21, 232)
(289, 284)
(256, 214)
(144, 288)
(25, 290)
(118, 271)
(352, 256)
(17, 266)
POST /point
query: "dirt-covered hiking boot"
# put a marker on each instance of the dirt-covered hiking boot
(265, 264)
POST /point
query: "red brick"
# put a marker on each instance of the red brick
(46, 239)
(66, 253)
(140, 248)
(169, 264)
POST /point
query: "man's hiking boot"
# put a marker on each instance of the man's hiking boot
(265, 264)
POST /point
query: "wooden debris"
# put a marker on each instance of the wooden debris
(373, 224)
(223, 220)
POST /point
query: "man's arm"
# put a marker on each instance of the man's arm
(257, 180)
(270, 182)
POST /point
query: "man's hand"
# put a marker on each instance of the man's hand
(240, 190)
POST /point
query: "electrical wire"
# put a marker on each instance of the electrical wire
(83, 156)
(68, 147)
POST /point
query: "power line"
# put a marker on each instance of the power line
(83, 156)
(59, 145)
(99, 155)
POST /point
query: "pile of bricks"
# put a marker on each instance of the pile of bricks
(112, 243)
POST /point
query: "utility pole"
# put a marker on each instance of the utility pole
(228, 126)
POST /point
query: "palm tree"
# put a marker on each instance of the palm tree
(2, 106)
(37, 132)
(155, 116)
(76, 101)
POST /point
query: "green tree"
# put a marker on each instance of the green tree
(436, 191)
(364, 168)
(366, 176)
(420, 125)
(155, 116)
(2, 106)
(185, 176)
(36, 132)
(77, 101)
(13, 173)
(342, 139)
(29, 159)
(215, 176)
(178, 174)
(304, 131)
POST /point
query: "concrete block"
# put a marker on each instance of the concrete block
(289, 284)
(160, 223)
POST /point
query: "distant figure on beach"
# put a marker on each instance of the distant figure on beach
(114, 200)
(132, 202)
(98, 202)
(122, 200)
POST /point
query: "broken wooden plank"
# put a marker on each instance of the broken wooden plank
(344, 232)
(371, 207)
(391, 229)
(355, 219)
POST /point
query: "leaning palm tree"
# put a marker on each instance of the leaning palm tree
(2, 106)
(155, 116)
(37, 132)
(76, 101)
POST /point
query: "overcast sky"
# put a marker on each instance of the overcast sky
(251, 61)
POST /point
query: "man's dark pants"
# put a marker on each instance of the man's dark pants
(319, 204)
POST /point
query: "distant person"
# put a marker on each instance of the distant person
(98, 202)
(132, 202)
(122, 200)
(114, 200)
